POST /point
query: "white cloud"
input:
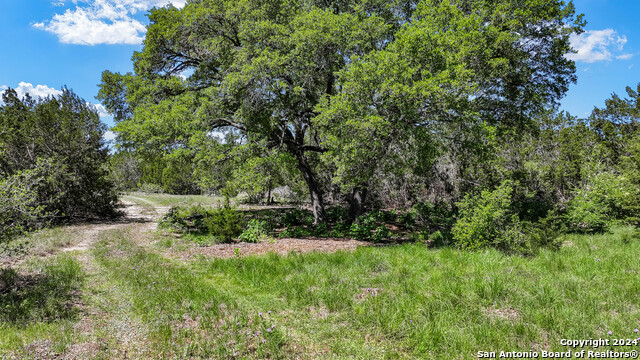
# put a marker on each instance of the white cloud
(597, 45)
(38, 91)
(93, 22)
(102, 111)
(109, 135)
(35, 91)
(42, 91)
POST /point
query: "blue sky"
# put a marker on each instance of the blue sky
(47, 44)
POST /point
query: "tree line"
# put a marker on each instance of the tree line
(53, 163)
(445, 107)
(346, 91)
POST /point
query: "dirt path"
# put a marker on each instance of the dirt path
(135, 217)
(107, 322)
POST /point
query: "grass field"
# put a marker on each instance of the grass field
(125, 298)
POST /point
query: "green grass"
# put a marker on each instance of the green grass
(41, 243)
(40, 302)
(392, 302)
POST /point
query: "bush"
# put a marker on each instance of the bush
(256, 231)
(605, 198)
(223, 223)
(295, 232)
(431, 217)
(371, 226)
(546, 233)
(184, 219)
(296, 217)
(337, 214)
(488, 220)
(20, 210)
(61, 139)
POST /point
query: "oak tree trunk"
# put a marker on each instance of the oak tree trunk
(356, 203)
(315, 191)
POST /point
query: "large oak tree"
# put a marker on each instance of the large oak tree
(351, 77)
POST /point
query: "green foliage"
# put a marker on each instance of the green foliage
(371, 226)
(431, 217)
(548, 233)
(261, 172)
(149, 188)
(337, 214)
(487, 219)
(223, 223)
(256, 231)
(349, 90)
(20, 210)
(43, 296)
(398, 106)
(296, 217)
(606, 197)
(177, 173)
(491, 219)
(61, 139)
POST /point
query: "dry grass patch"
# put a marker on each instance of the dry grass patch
(509, 313)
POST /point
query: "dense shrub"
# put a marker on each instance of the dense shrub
(371, 226)
(337, 214)
(488, 220)
(432, 218)
(547, 232)
(20, 210)
(60, 138)
(223, 223)
(296, 217)
(605, 198)
(256, 231)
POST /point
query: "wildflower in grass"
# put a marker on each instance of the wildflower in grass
(269, 329)
(597, 259)
(259, 314)
(269, 312)
(264, 340)
(609, 332)
(636, 330)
